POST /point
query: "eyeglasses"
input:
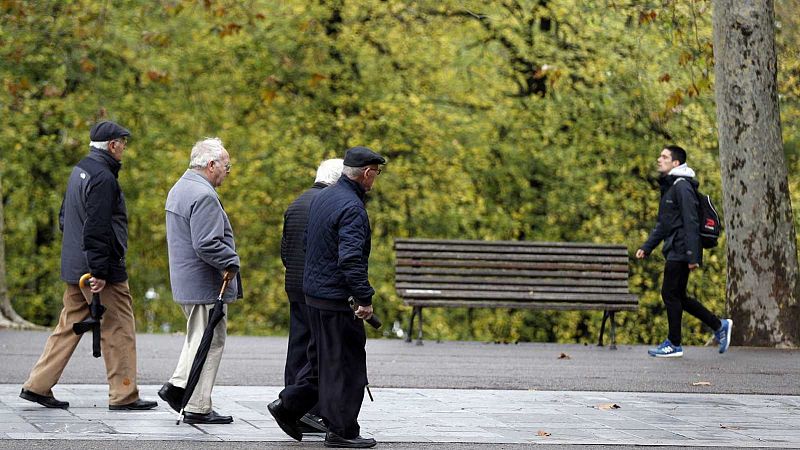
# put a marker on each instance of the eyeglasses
(377, 171)
(228, 166)
(122, 140)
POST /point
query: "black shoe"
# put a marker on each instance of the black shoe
(334, 440)
(285, 420)
(138, 405)
(173, 395)
(310, 424)
(212, 417)
(44, 400)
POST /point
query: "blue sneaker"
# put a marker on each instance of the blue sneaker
(666, 350)
(723, 335)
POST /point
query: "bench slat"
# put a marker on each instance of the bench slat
(513, 288)
(421, 241)
(508, 295)
(426, 279)
(461, 256)
(513, 265)
(542, 250)
(513, 273)
(525, 305)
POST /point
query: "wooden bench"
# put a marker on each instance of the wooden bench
(513, 274)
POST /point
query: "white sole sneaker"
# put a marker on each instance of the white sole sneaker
(728, 340)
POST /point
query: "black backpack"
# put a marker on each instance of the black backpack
(710, 225)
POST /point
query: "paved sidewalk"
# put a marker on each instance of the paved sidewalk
(437, 415)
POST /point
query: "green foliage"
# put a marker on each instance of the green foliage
(536, 120)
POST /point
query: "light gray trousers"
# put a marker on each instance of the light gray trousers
(196, 321)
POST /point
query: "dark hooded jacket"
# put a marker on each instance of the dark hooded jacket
(678, 222)
(337, 248)
(94, 220)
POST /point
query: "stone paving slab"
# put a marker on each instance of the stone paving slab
(436, 415)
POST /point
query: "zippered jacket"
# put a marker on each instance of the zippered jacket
(94, 221)
(677, 224)
(293, 252)
(337, 248)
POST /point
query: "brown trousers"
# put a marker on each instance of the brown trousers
(117, 343)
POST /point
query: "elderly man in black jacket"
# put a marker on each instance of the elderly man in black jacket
(95, 225)
(293, 255)
(336, 269)
(678, 226)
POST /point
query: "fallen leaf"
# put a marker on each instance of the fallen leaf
(542, 433)
(564, 356)
(607, 406)
(701, 383)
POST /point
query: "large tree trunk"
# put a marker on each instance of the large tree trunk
(762, 287)
(8, 317)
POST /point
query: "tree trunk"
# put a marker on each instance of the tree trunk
(8, 317)
(762, 286)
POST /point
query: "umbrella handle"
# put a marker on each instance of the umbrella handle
(84, 278)
(225, 280)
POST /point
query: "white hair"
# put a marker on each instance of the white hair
(99, 145)
(329, 171)
(205, 151)
(353, 172)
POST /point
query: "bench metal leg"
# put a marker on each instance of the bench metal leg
(602, 329)
(419, 338)
(608, 315)
(414, 312)
(613, 331)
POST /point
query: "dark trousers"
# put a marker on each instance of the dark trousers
(299, 337)
(673, 292)
(336, 374)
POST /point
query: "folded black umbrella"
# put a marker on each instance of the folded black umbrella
(96, 310)
(216, 315)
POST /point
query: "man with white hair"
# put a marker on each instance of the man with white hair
(293, 255)
(201, 251)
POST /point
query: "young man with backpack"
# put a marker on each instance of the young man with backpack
(678, 226)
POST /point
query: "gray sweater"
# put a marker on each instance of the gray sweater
(200, 242)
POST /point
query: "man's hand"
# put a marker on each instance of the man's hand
(640, 254)
(229, 273)
(96, 285)
(364, 312)
(693, 266)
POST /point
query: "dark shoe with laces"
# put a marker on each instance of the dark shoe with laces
(173, 395)
(334, 440)
(310, 424)
(285, 420)
(208, 418)
(45, 400)
(138, 405)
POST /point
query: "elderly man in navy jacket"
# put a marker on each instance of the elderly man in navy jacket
(95, 224)
(201, 248)
(336, 269)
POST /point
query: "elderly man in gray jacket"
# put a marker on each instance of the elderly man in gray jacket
(201, 249)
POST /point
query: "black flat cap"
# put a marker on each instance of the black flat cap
(362, 156)
(107, 131)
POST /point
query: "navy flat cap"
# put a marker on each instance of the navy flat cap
(362, 156)
(107, 131)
